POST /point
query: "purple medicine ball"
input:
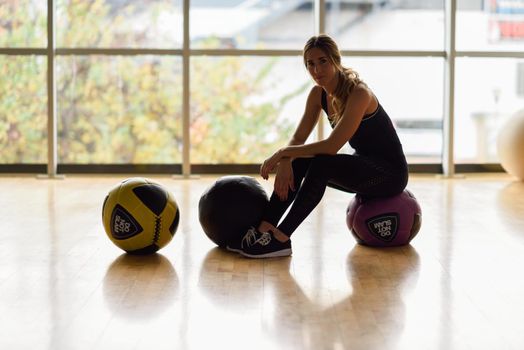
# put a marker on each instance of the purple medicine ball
(386, 221)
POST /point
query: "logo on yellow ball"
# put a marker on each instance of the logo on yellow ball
(123, 225)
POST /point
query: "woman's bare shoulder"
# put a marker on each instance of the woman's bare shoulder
(316, 90)
(362, 89)
(315, 95)
(364, 93)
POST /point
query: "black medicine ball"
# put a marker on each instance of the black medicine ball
(229, 207)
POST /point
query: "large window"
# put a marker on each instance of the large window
(23, 109)
(132, 87)
(413, 103)
(490, 25)
(243, 107)
(387, 25)
(489, 76)
(269, 24)
(23, 23)
(489, 91)
(23, 98)
(119, 109)
(122, 24)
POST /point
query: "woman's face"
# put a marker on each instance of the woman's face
(319, 66)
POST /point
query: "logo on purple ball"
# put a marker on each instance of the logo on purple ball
(384, 226)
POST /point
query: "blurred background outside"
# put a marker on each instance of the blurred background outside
(127, 109)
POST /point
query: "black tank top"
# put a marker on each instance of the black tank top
(376, 136)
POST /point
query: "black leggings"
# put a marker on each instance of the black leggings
(367, 176)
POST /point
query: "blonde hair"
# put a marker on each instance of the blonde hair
(348, 78)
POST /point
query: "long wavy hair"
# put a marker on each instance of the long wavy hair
(348, 78)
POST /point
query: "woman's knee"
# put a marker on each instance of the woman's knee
(320, 164)
(300, 165)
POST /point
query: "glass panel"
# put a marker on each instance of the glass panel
(23, 109)
(414, 104)
(267, 24)
(114, 24)
(490, 25)
(119, 109)
(244, 108)
(488, 91)
(23, 23)
(386, 25)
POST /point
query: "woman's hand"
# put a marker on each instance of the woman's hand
(270, 164)
(284, 179)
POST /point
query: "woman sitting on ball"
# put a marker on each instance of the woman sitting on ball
(377, 168)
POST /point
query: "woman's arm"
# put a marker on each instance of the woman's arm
(356, 106)
(348, 124)
(309, 118)
(284, 179)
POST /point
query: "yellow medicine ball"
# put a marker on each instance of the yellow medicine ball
(140, 216)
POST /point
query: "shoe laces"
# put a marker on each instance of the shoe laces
(250, 238)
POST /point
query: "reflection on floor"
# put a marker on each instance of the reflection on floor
(459, 285)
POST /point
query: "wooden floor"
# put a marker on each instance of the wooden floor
(459, 285)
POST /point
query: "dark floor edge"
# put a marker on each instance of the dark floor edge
(207, 168)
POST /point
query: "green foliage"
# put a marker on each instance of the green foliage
(23, 94)
(119, 110)
(225, 126)
(23, 23)
(23, 109)
(127, 109)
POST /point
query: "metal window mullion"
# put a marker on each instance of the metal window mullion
(52, 157)
(320, 17)
(116, 51)
(392, 53)
(243, 52)
(448, 161)
(186, 142)
(490, 54)
(279, 53)
(60, 51)
(21, 51)
(320, 28)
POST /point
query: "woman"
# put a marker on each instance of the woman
(377, 168)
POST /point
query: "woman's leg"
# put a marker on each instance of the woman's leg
(346, 172)
(350, 173)
(276, 207)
